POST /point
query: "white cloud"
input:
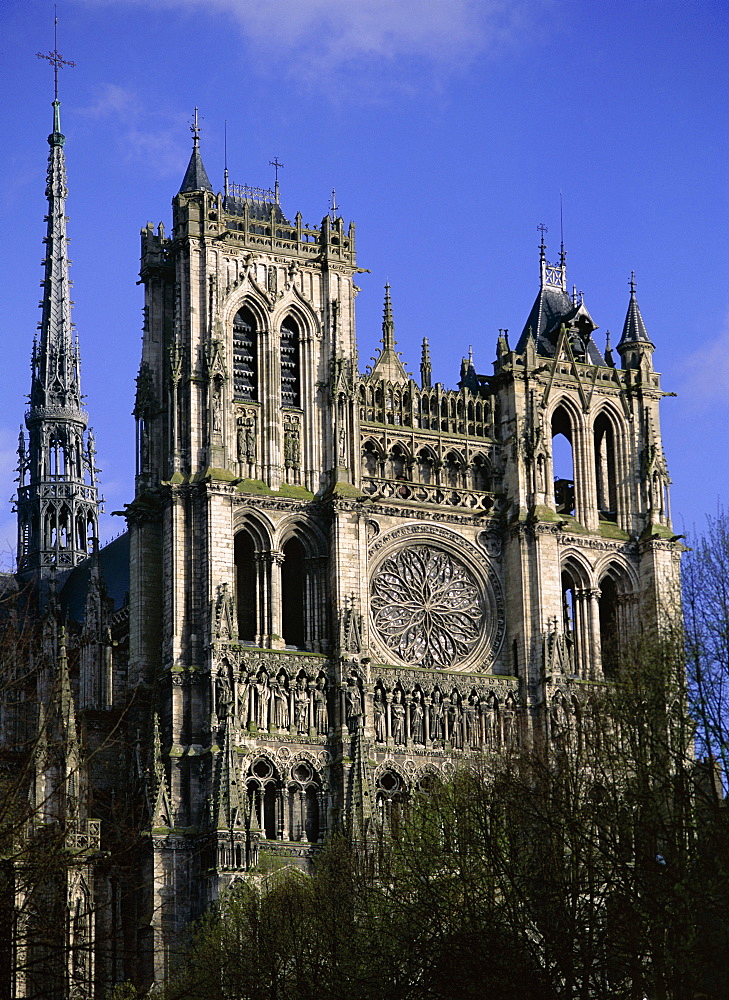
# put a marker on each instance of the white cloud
(706, 373)
(141, 132)
(324, 34)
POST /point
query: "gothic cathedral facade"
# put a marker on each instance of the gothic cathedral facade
(340, 584)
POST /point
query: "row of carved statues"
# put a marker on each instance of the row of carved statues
(306, 706)
(475, 722)
(271, 703)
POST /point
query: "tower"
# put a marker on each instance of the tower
(247, 434)
(57, 499)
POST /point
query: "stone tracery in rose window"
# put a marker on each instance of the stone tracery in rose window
(427, 606)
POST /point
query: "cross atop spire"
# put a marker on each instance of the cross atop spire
(55, 59)
(276, 166)
(195, 128)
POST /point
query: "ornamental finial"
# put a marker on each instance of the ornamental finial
(55, 58)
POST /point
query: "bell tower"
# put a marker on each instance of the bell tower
(246, 429)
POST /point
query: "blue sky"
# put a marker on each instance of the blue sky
(447, 127)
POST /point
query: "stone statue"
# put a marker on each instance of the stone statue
(241, 441)
(397, 712)
(321, 714)
(250, 443)
(379, 712)
(280, 705)
(242, 688)
(222, 696)
(264, 693)
(469, 719)
(301, 707)
(353, 702)
(436, 717)
(217, 410)
(416, 719)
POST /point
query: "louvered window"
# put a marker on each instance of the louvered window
(290, 364)
(245, 355)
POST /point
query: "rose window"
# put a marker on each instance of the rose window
(427, 606)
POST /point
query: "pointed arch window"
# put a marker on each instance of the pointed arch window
(609, 631)
(576, 618)
(617, 610)
(563, 462)
(245, 355)
(293, 594)
(290, 363)
(604, 443)
(246, 586)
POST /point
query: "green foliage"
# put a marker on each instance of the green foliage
(589, 867)
(123, 991)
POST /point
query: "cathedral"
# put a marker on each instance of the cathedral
(333, 587)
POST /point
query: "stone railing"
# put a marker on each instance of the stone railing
(448, 496)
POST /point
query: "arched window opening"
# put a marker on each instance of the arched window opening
(245, 583)
(290, 364)
(398, 463)
(311, 815)
(452, 470)
(57, 456)
(245, 355)
(370, 460)
(609, 628)
(293, 594)
(563, 462)
(481, 474)
(605, 469)
(269, 811)
(262, 785)
(425, 467)
(391, 798)
(571, 619)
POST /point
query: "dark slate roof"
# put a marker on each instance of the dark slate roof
(114, 566)
(196, 177)
(634, 331)
(553, 307)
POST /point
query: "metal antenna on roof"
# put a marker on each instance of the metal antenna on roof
(333, 204)
(562, 254)
(276, 166)
(225, 157)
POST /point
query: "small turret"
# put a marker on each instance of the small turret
(635, 347)
(426, 368)
(388, 365)
(196, 177)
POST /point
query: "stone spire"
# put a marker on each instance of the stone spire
(196, 176)
(388, 365)
(426, 368)
(57, 499)
(635, 344)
